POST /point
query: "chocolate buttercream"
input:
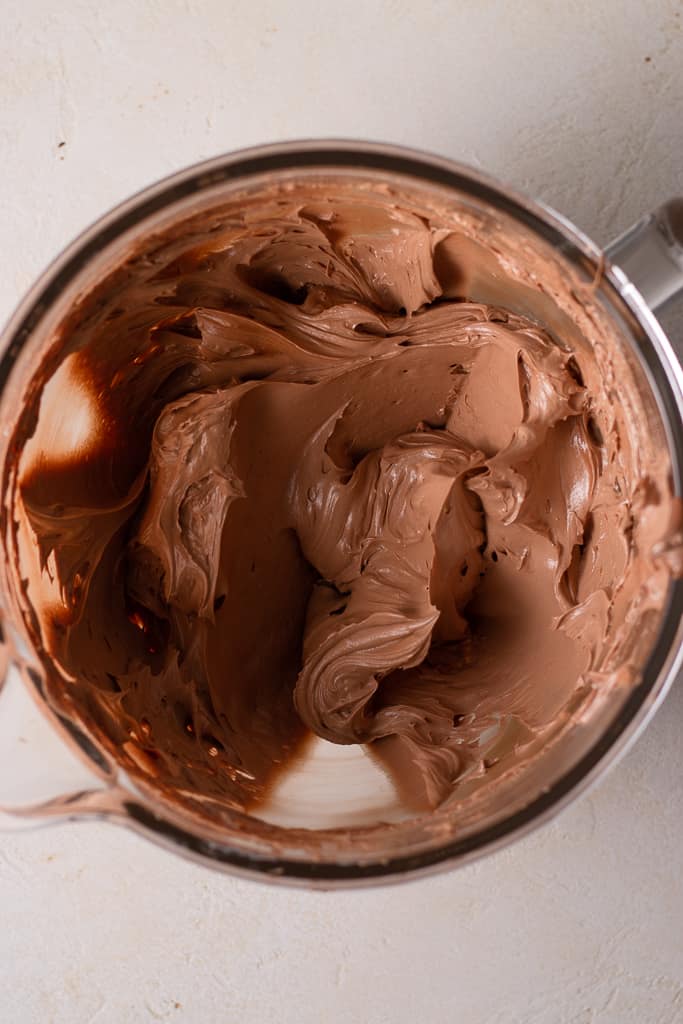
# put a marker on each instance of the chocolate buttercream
(286, 474)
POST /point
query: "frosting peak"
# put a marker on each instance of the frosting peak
(313, 482)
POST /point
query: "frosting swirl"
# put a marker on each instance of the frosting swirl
(310, 485)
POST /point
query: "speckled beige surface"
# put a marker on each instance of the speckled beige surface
(578, 103)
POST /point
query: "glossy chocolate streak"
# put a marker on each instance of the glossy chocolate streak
(301, 483)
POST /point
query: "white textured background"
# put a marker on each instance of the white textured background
(578, 102)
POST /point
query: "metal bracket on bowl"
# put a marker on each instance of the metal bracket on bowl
(650, 254)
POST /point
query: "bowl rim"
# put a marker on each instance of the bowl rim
(666, 380)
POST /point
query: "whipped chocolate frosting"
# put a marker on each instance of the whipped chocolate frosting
(287, 474)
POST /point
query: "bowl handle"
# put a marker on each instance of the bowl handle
(650, 254)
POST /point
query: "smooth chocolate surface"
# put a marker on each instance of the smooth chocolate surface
(288, 477)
